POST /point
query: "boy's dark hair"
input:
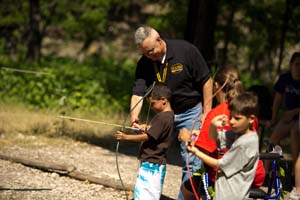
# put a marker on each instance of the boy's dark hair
(244, 104)
(161, 90)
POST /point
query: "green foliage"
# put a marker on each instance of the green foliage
(248, 80)
(69, 85)
(172, 18)
(87, 17)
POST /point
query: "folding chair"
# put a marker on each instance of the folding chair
(273, 190)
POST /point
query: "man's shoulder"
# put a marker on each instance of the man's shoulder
(180, 42)
(144, 59)
(180, 47)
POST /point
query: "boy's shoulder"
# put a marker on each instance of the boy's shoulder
(166, 113)
(248, 139)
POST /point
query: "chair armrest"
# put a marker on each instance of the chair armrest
(269, 156)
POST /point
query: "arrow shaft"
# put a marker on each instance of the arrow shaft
(96, 122)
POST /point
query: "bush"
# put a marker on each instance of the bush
(92, 86)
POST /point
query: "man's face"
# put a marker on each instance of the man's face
(240, 123)
(152, 48)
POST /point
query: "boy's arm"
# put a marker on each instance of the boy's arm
(217, 122)
(136, 138)
(210, 161)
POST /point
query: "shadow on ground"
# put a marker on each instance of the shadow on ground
(127, 147)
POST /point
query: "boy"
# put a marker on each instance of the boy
(236, 169)
(155, 143)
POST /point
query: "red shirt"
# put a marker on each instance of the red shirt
(203, 141)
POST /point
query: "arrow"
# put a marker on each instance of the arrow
(97, 122)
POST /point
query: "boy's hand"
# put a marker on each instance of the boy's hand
(220, 121)
(144, 127)
(120, 135)
(191, 148)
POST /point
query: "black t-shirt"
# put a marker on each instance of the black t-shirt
(160, 133)
(186, 74)
(290, 89)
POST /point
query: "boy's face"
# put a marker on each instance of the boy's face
(156, 105)
(240, 123)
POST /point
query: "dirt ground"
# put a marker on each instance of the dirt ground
(22, 182)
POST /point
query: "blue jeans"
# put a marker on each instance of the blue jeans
(186, 120)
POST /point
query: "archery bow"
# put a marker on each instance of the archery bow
(123, 127)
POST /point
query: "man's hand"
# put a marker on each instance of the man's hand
(184, 135)
(135, 122)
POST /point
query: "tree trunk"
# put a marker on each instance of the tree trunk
(34, 37)
(201, 22)
(284, 28)
(227, 33)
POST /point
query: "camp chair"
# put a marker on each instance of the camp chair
(273, 188)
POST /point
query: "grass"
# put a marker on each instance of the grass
(17, 121)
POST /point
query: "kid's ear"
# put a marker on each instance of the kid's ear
(164, 99)
(252, 118)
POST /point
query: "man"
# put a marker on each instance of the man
(182, 68)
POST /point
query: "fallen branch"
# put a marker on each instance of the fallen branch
(68, 170)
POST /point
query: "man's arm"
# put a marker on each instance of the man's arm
(134, 115)
(207, 97)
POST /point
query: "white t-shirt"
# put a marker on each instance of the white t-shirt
(238, 167)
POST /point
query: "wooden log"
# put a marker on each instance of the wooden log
(68, 170)
(47, 166)
(106, 181)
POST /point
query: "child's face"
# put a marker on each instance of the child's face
(240, 123)
(156, 105)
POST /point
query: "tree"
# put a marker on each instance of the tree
(200, 27)
(34, 36)
(85, 20)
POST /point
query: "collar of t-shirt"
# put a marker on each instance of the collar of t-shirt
(163, 59)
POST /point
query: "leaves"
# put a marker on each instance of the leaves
(82, 87)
